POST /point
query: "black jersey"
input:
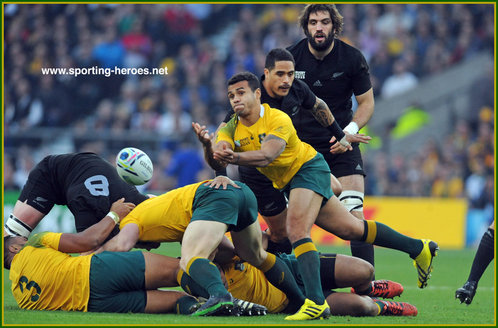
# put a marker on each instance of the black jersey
(342, 73)
(86, 183)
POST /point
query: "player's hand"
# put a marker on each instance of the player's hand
(221, 180)
(202, 133)
(121, 208)
(337, 148)
(226, 155)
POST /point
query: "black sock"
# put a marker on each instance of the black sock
(484, 255)
(364, 251)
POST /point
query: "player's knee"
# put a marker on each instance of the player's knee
(365, 307)
(352, 200)
(361, 271)
(368, 271)
(15, 227)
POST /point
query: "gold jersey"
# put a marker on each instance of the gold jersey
(164, 218)
(275, 122)
(250, 284)
(44, 278)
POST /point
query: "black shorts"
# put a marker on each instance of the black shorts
(348, 163)
(271, 201)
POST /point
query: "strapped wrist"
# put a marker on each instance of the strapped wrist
(114, 216)
(352, 128)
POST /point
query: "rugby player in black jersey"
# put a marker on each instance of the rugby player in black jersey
(86, 183)
(335, 71)
(280, 90)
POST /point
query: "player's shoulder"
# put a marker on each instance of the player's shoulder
(296, 48)
(274, 114)
(347, 48)
(43, 239)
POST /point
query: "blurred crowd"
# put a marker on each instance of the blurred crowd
(204, 44)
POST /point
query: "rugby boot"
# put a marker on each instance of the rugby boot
(216, 306)
(245, 308)
(396, 308)
(382, 289)
(466, 293)
(423, 261)
(311, 311)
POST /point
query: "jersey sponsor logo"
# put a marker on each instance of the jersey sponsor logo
(300, 75)
(242, 142)
(317, 83)
(336, 75)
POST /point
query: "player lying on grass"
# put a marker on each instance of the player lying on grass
(337, 271)
(198, 216)
(45, 277)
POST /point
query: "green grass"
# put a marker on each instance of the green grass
(436, 304)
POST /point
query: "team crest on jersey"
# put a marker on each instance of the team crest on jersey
(300, 75)
(242, 142)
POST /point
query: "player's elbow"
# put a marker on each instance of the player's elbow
(267, 159)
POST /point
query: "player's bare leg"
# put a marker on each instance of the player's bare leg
(166, 277)
(303, 207)
(200, 239)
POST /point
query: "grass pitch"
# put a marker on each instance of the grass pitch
(436, 304)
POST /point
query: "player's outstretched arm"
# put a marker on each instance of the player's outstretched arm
(94, 236)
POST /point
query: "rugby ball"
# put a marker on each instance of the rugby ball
(134, 166)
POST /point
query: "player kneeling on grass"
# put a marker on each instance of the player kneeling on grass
(45, 276)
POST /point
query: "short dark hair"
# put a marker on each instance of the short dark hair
(278, 54)
(337, 19)
(251, 79)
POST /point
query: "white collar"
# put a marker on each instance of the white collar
(262, 111)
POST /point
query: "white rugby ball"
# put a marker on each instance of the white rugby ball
(134, 166)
